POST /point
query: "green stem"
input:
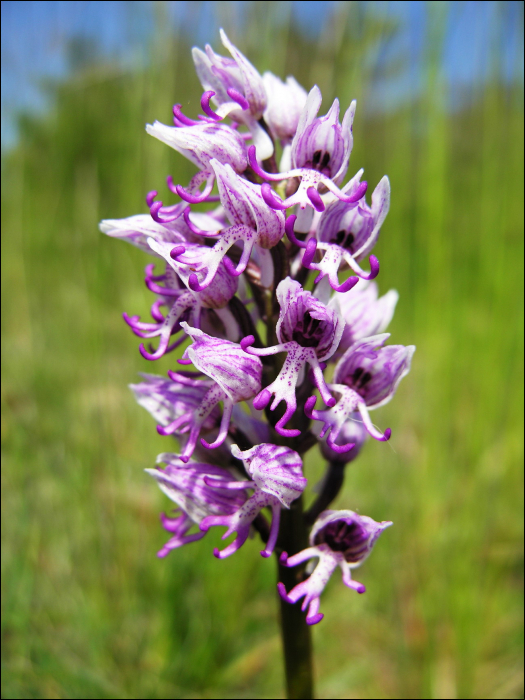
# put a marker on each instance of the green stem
(296, 634)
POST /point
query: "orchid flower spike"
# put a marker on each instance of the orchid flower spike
(277, 480)
(236, 88)
(347, 233)
(338, 538)
(309, 332)
(320, 151)
(366, 377)
(185, 485)
(201, 143)
(235, 376)
(252, 223)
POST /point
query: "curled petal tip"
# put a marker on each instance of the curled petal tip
(176, 251)
(282, 592)
(184, 458)
(207, 445)
(315, 199)
(217, 553)
(184, 361)
(374, 267)
(262, 399)
(265, 553)
(361, 589)
(331, 402)
(205, 104)
(148, 355)
(345, 286)
(271, 198)
(237, 97)
(359, 193)
(309, 407)
(315, 619)
(289, 229)
(309, 253)
(193, 283)
(388, 433)
(150, 197)
(246, 342)
(287, 432)
(283, 559)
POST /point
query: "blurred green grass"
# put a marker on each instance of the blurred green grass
(88, 610)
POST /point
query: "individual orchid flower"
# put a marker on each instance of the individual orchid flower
(236, 88)
(366, 377)
(200, 143)
(252, 223)
(184, 304)
(363, 312)
(309, 332)
(173, 402)
(235, 376)
(320, 151)
(277, 480)
(348, 232)
(185, 485)
(338, 538)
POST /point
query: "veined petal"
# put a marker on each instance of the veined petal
(238, 374)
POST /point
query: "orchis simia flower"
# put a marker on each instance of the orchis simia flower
(338, 538)
(366, 377)
(309, 332)
(186, 485)
(347, 232)
(236, 377)
(277, 480)
(173, 402)
(184, 303)
(252, 223)
(320, 151)
(236, 88)
(200, 143)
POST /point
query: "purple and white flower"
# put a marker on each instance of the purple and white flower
(252, 223)
(236, 88)
(338, 538)
(277, 480)
(347, 232)
(184, 304)
(200, 143)
(309, 332)
(320, 151)
(185, 485)
(172, 402)
(366, 377)
(236, 377)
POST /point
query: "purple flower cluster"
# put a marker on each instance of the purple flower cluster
(232, 281)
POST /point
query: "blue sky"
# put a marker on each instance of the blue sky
(35, 34)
